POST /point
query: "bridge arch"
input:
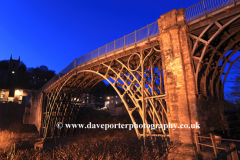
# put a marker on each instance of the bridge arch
(212, 48)
(140, 76)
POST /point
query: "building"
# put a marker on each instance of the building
(12, 102)
(9, 74)
(115, 105)
(14, 96)
(89, 100)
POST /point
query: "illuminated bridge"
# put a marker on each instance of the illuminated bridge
(173, 70)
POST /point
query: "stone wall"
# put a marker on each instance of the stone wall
(33, 111)
(178, 74)
(210, 113)
(11, 110)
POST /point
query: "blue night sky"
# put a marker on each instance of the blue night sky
(55, 32)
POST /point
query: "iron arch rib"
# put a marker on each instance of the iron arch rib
(210, 54)
(139, 76)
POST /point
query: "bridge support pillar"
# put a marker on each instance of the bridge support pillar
(178, 77)
(33, 112)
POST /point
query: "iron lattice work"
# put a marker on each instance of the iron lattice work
(138, 75)
(213, 48)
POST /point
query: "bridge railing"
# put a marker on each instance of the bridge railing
(204, 7)
(131, 39)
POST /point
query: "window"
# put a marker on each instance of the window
(20, 98)
(116, 102)
(116, 96)
(13, 72)
(2, 94)
(111, 101)
(10, 99)
(19, 92)
(127, 100)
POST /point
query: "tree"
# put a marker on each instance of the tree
(234, 94)
(4, 64)
(30, 70)
(22, 67)
(43, 68)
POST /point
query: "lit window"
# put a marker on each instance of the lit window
(108, 97)
(17, 92)
(10, 99)
(100, 97)
(116, 96)
(127, 100)
(21, 91)
(13, 72)
(116, 103)
(45, 79)
(2, 94)
(20, 98)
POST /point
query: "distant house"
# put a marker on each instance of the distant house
(12, 102)
(13, 95)
(115, 105)
(89, 100)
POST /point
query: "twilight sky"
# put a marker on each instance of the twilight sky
(55, 32)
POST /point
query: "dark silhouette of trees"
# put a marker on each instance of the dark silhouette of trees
(4, 64)
(27, 78)
(99, 89)
(102, 89)
(39, 76)
(22, 81)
